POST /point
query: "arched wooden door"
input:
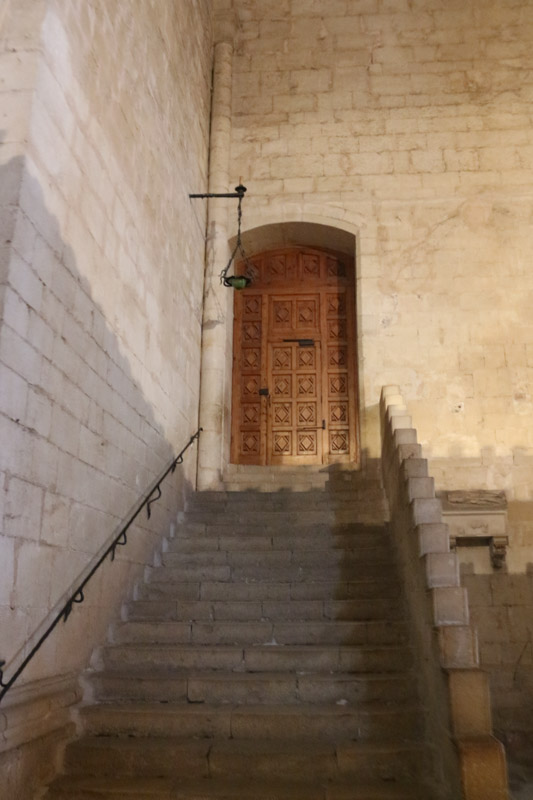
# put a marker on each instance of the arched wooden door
(294, 360)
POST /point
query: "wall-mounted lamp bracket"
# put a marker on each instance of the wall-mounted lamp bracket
(239, 192)
(233, 281)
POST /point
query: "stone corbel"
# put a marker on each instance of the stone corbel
(498, 551)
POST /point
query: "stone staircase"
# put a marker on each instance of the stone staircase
(267, 658)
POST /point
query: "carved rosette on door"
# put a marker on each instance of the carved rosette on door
(294, 389)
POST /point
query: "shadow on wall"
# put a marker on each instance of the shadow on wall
(80, 442)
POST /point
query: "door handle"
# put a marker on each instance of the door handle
(316, 427)
(264, 392)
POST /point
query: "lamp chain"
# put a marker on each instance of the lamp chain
(238, 245)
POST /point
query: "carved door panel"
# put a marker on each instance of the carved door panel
(294, 418)
(249, 413)
(339, 389)
(294, 387)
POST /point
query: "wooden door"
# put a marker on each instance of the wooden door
(294, 388)
(294, 419)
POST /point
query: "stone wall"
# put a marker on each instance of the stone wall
(104, 121)
(407, 122)
(501, 607)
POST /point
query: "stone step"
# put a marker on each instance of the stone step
(211, 610)
(269, 527)
(264, 478)
(297, 517)
(310, 658)
(258, 571)
(363, 589)
(372, 470)
(190, 540)
(346, 558)
(274, 557)
(140, 788)
(282, 501)
(276, 485)
(264, 632)
(236, 759)
(300, 722)
(252, 687)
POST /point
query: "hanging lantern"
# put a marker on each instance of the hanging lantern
(237, 281)
(234, 281)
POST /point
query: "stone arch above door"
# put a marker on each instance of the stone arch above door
(295, 361)
(274, 235)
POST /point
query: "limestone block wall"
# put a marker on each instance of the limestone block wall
(501, 607)
(407, 123)
(104, 122)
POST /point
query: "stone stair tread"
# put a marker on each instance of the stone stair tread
(206, 746)
(284, 504)
(264, 632)
(156, 575)
(223, 528)
(263, 625)
(222, 496)
(166, 756)
(306, 542)
(166, 609)
(288, 573)
(277, 555)
(303, 709)
(372, 720)
(276, 499)
(303, 657)
(107, 788)
(292, 519)
(224, 675)
(252, 687)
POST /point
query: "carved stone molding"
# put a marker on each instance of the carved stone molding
(475, 518)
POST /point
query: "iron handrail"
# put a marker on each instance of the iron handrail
(120, 540)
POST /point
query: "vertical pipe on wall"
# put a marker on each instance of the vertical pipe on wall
(215, 373)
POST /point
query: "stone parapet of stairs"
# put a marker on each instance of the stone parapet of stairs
(445, 643)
